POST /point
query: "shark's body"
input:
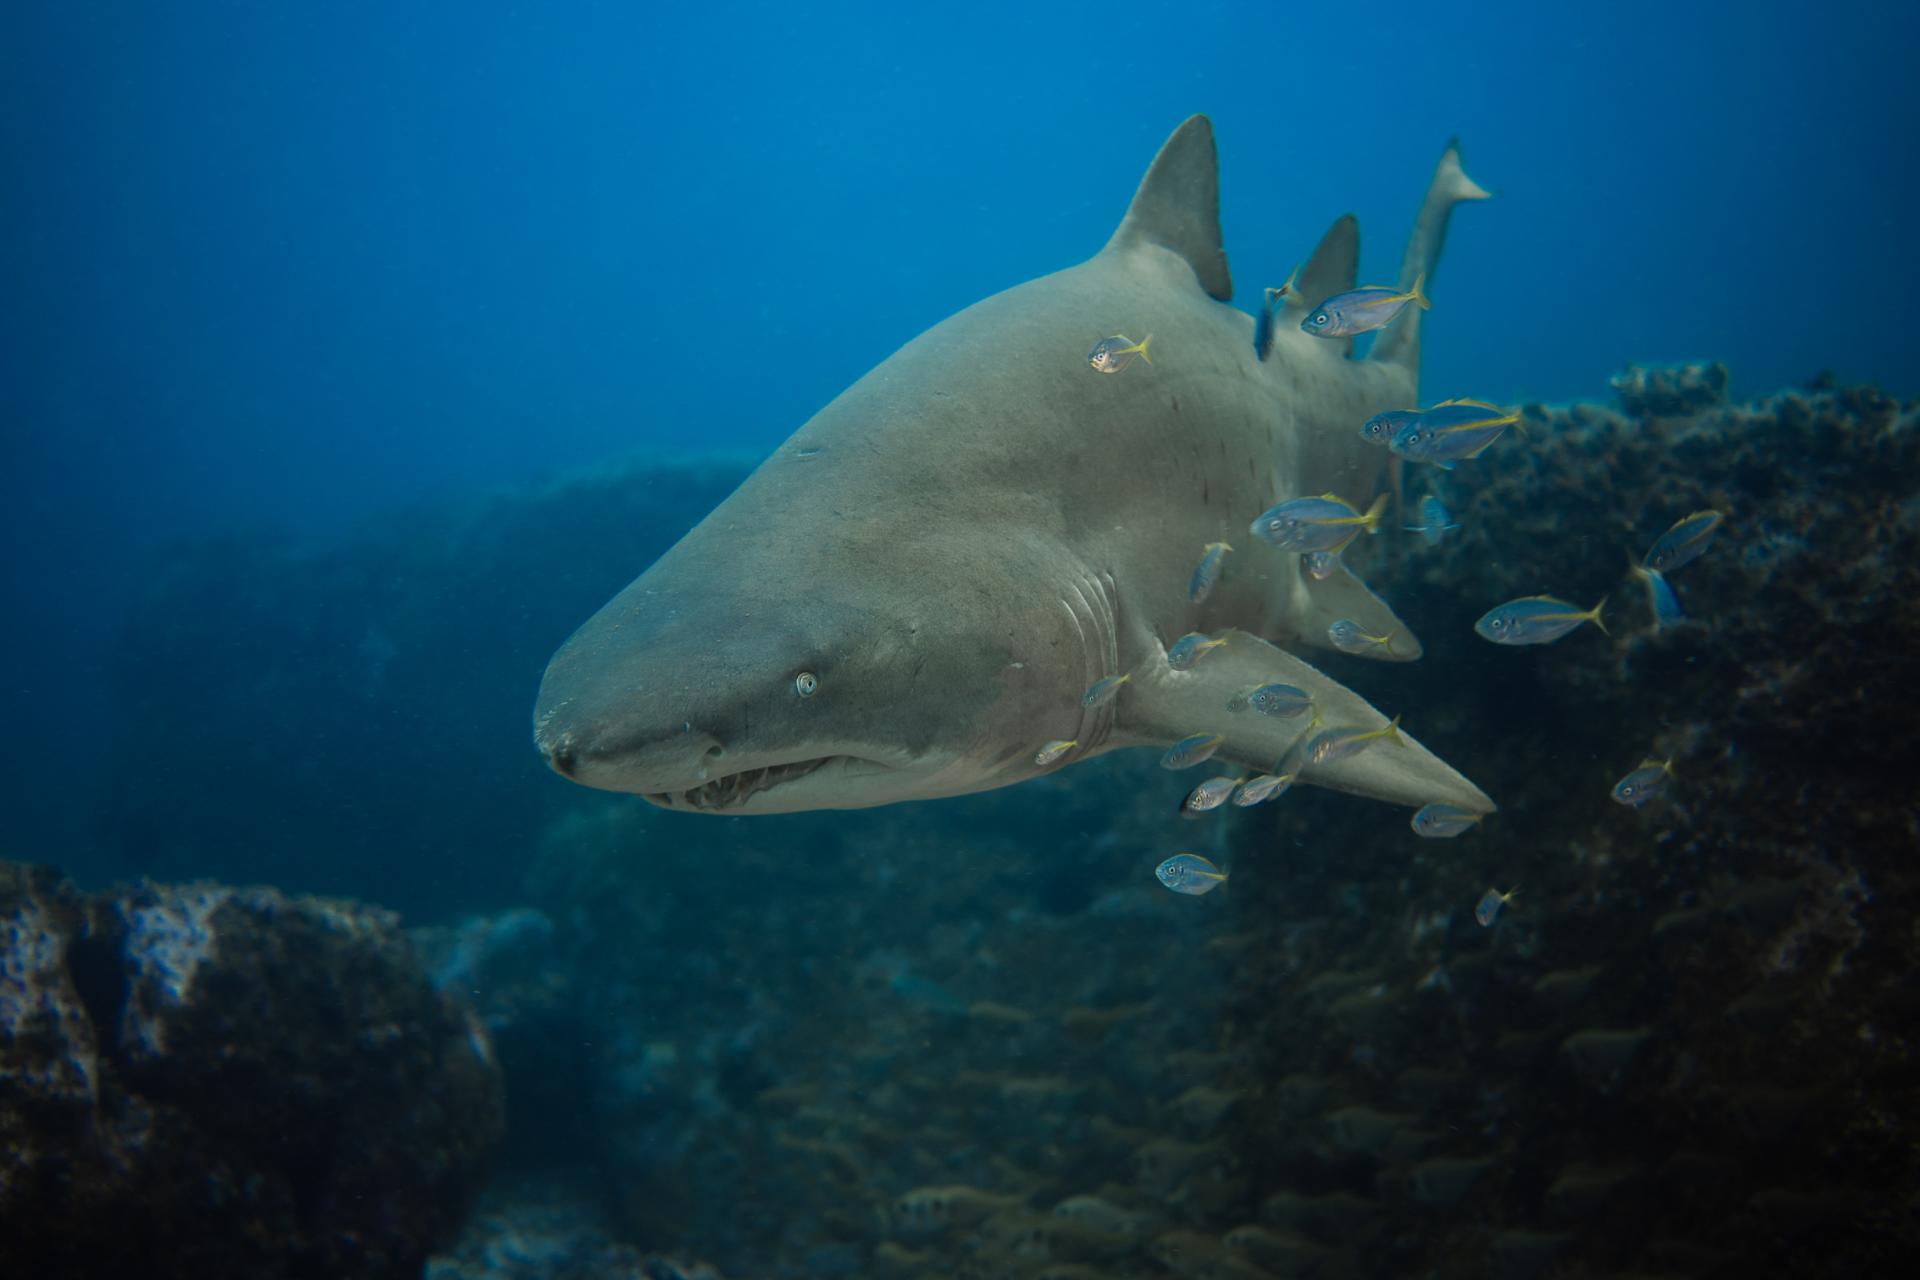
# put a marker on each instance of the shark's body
(967, 538)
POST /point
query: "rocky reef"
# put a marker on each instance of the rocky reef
(314, 708)
(866, 1045)
(204, 1081)
(974, 1038)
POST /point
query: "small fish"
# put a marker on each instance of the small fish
(1535, 620)
(1660, 597)
(1111, 355)
(1443, 821)
(1207, 572)
(1645, 783)
(1211, 794)
(1282, 701)
(1325, 523)
(1054, 750)
(1347, 636)
(1267, 786)
(1436, 520)
(1363, 310)
(1338, 744)
(1189, 649)
(1452, 430)
(1684, 542)
(1487, 910)
(1192, 750)
(1269, 311)
(1189, 873)
(1101, 691)
(1322, 565)
(1382, 427)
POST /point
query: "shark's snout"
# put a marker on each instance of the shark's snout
(624, 751)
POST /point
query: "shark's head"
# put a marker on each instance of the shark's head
(803, 685)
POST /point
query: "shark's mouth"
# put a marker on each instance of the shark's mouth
(736, 788)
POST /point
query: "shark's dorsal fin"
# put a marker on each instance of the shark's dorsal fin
(1334, 266)
(1178, 207)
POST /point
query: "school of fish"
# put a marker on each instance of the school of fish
(1318, 528)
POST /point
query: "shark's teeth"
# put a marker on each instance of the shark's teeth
(724, 793)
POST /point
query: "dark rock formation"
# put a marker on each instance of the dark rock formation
(1690, 1026)
(551, 1230)
(974, 1037)
(313, 710)
(200, 1081)
(1670, 390)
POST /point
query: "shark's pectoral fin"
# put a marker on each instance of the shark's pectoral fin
(1163, 706)
(1178, 207)
(1344, 595)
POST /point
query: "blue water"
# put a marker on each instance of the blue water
(277, 267)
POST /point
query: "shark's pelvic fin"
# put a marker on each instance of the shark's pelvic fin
(1344, 595)
(1333, 268)
(1166, 705)
(1178, 207)
(1401, 341)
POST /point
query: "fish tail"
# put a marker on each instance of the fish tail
(1371, 520)
(1594, 613)
(1418, 294)
(1143, 348)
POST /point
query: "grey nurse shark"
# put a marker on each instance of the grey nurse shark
(910, 597)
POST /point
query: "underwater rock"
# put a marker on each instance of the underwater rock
(517, 973)
(551, 1230)
(1670, 390)
(1673, 1008)
(275, 1071)
(398, 664)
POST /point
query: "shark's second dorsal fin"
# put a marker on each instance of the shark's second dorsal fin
(1178, 207)
(1333, 268)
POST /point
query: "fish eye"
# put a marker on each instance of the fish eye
(1499, 624)
(805, 683)
(1319, 319)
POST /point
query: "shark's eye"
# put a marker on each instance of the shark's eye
(805, 683)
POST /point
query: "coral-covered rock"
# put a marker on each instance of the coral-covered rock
(551, 1230)
(1671, 390)
(204, 1081)
(400, 666)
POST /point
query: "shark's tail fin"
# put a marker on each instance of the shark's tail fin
(1450, 185)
